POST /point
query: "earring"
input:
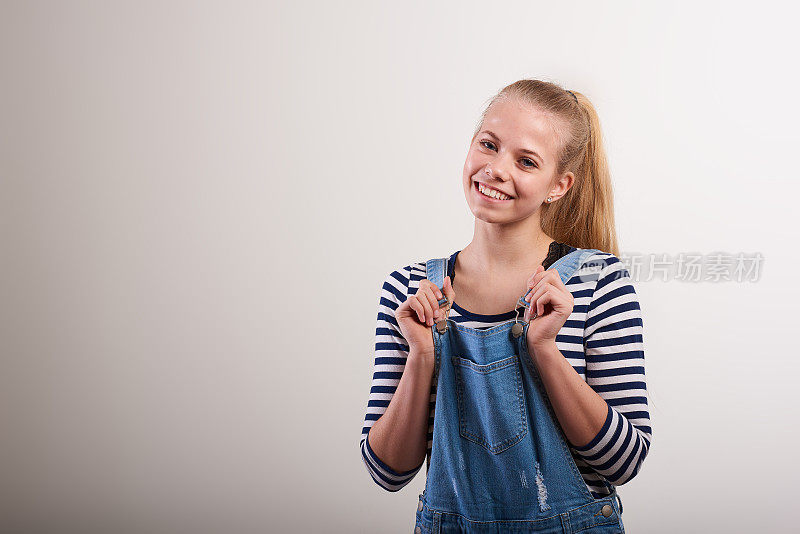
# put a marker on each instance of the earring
(549, 199)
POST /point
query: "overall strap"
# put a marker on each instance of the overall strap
(565, 266)
(436, 271)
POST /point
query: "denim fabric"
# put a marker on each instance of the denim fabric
(499, 460)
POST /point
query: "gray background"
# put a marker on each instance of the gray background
(200, 201)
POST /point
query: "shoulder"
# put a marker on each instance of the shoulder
(614, 291)
(608, 268)
(403, 281)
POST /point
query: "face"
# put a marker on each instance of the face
(518, 146)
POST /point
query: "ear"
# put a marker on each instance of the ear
(562, 185)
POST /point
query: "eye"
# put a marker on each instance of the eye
(489, 145)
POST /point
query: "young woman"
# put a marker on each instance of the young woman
(515, 366)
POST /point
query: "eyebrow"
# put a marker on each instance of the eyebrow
(525, 150)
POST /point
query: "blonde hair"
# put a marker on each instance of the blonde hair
(584, 216)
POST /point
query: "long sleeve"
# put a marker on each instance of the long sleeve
(614, 354)
(391, 352)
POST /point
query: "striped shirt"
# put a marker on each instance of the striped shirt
(601, 339)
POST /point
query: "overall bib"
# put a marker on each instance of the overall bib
(499, 460)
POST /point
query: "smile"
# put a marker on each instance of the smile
(490, 193)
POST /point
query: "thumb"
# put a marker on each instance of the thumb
(447, 289)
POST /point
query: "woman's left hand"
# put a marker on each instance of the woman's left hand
(552, 302)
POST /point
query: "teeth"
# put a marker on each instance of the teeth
(492, 193)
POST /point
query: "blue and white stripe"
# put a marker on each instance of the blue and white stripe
(602, 340)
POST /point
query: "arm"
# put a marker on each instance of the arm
(605, 418)
(394, 437)
(580, 410)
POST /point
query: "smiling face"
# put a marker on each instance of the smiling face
(518, 145)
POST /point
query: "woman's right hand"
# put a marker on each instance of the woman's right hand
(419, 313)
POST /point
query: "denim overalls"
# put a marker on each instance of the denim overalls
(499, 461)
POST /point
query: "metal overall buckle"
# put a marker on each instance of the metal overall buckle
(441, 325)
(518, 327)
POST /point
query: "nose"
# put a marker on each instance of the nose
(496, 170)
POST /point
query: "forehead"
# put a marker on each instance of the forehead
(522, 125)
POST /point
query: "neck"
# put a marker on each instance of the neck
(511, 247)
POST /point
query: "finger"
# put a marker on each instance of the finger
(449, 292)
(537, 275)
(548, 276)
(429, 294)
(414, 304)
(530, 313)
(545, 298)
(533, 278)
(436, 291)
(533, 283)
(557, 298)
(536, 299)
(428, 290)
(427, 316)
(556, 279)
(560, 300)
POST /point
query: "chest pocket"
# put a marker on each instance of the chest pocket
(491, 405)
